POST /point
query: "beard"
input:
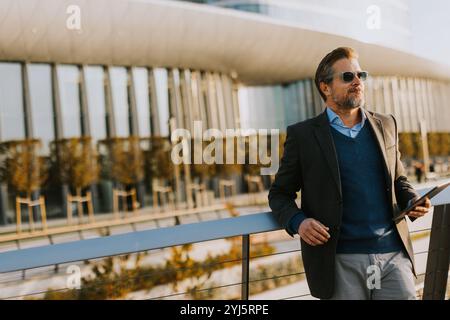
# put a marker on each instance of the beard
(349, 101)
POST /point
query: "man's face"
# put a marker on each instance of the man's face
(346, 95)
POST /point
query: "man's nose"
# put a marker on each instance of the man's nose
(356, 81)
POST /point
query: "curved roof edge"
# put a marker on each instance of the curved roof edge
(259, 49)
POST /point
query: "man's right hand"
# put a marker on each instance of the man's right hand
(313, 232)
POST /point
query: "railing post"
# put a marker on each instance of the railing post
(245, 266)
(438, 255)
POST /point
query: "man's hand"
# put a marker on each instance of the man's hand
(313, 232)
(420, 210)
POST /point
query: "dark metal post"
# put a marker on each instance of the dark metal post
(438, 255)
(245, 266)
(3, 204)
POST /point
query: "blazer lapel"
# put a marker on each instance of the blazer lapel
(323, 135)
(378, 129)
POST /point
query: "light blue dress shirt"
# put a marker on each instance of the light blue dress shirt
(337, 123)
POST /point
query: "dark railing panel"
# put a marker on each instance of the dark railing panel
(438, 255)
(245, 266)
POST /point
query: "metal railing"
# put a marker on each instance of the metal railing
(107, 221)
(243, 226)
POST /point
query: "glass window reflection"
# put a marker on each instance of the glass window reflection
(12, 122)
(95, 92)
(118, 76)
(68, 80)
(140, 81)
(162, 98)
(40, 81)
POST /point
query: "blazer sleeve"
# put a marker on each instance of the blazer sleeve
(287, 183)
(404, 191)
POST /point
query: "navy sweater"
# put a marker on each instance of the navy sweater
(367, 225)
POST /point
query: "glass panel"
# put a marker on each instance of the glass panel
(96, 101)
(119, 93)
(40, 80)
(162, 97)
(262, 108)
(12, 123)
(68, 78)
(140, 80)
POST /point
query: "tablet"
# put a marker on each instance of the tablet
(430, 194)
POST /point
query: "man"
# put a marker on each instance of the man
(347, 165)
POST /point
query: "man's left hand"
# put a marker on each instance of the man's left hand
(420, 210)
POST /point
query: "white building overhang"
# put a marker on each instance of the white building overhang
(256, 48)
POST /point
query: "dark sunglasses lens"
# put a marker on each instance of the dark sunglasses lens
(362, 75)
(348, 76)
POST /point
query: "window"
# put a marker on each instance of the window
(12, 122)
(140, 80)
(119, 92)
(40, 81)
(68, 80)
(162, 97)
(95, 92)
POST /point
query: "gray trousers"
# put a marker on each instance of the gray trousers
(385, 276)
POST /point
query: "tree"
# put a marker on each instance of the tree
(157, 158)
(22, 167)
(434, 145)
(406, 144)
(123, 161)
(445, 144)
(76, 163)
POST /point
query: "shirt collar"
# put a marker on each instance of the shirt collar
(333, 118)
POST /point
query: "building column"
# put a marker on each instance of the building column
(58, 130)
(134, 128)
(153, 99)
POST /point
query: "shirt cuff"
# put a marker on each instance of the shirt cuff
(295, 222)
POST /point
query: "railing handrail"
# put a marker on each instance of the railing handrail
(136, 241)
(149, 240)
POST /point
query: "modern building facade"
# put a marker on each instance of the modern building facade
(385, 23)
(119, 68)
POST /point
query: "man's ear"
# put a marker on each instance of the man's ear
(325, 88)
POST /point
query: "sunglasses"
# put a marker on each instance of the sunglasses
(349, 76)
